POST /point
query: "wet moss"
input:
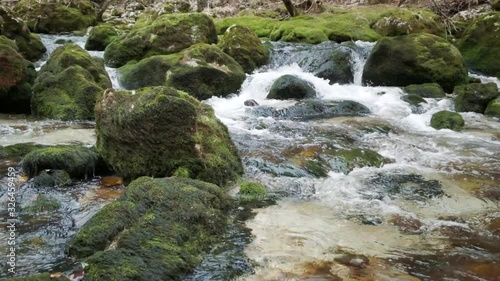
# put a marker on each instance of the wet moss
(155, 131)
(177, 220)
(18, 150)
(493, 108)
(167, 34)
(242, 44)
(413, 99)
(100, 37)
(475, 97)
(77, 161)
(51, 178)
(447, 120)
(427, 90)
(42, 204)
(253, 189)
(68, 85)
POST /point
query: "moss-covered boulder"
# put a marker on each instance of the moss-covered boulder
(403, 22)
(100, 37)
(167, 34)
(475, 97)
(68, 84)
(447, 120)
(51, 178)
(55, 16)
(78, 161)
(202, 71)
(245, 47)
(156, 131)
(158, 229)
(30, 45)
(291, 87)
(427, 90)
(493, 108)
(18, 150)
(480, 45)
(17, 76)
(415, 59)
(413, 99)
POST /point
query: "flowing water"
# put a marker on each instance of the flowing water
(432, 213)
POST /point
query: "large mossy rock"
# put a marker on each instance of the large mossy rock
(30, 45)
(167, 34)
(157, 131)
(18, 150)
(55, 16)
(77, 161)
(415, 59)
(493, 108)
(160, 229)
(68, 85)
(447, 120)
(475, 97)
(202, 71)
(480, 45)
(245, 47)
(291, 87)
(427, 90)
(17, 76)
(100, 37)
(404, 22)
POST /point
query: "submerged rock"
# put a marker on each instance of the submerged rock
(68, 84)
(447, 120)
(251, 103)
(475, 97)
(313, 109)
(157, 230)
(157, 131)
(291, 87)
(51, 178)
(17, 76)
(409, 187)
(56, 17)
(480, 45)
(100, 37)
(426, 90)
(412, 99)
(79, 162)
(202, 71)
(242, 44)
(415, 59)
(167, 34)
(30, 45)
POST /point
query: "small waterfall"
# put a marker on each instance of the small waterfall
(359, 56)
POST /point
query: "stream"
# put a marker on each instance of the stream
(432, 213)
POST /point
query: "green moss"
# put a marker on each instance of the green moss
(148, 72)
(165, 129)
(181, 172)
(493, 108)
(345, 160)
(56, 17)
(480, 45)
(475, 97)
(415, 59)
(242, 44)
(396, 22)
(427, 90)
(176, 220)
(43, 204)
(413, 99)
(260, 25)
(164, 35)
(18, 150)
(447, 120)
(253, 189)
(68, 84)
(100, 37)
(291, 87)
(51, 178)
(75, 160)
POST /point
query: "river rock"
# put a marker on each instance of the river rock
(493, 108)
(480, 45)
(403, 22)
(313, 109)
(202, 71)
(251, 103)
(415, 59)
(164, 130)
(406, 186)
(412, 99)
(17, 76)
(167, 34)
(55, 16)
(30, 45)
(68, 84)
(78, 161)
(100, 37)
(157, 230)
(447, 120)
(475, 97)
(242, 44)
(291, 87)
(426, 90)
(18, 150)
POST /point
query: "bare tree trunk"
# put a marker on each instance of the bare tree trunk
(290, 7)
